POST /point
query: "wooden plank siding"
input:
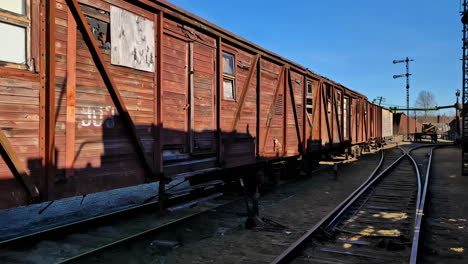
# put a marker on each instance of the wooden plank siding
(83, 125)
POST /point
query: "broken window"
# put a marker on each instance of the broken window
(229, 85)
(15, 25)
(309, 88)
(99, 23)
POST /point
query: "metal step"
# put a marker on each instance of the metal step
(189, 166)
(194, 203)
(189, 189)
(186, 175)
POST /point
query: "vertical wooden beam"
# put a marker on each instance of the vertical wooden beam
(48, 162)
(191, 108)
(158, 109)
(285, 112)
(71, 96)
(219, 85)
(110, 84)
(158, 81)
(253, 67)
(257, 116)
(42, 97)
(305, 114)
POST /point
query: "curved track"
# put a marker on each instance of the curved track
(379, 222)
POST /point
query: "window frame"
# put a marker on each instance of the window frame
(23, 21)
(311, 85)
(229, 77)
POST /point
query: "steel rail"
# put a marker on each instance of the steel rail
(84, 223)
(420, 211)
(147, 232)
(422, 194)
(157, 229)
(39, 235)
(336, 212)
(298, 244)
(357, 190)
(418, 175)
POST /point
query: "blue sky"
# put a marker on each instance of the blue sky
(354, 42)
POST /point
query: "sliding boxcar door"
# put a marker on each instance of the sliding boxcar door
(176, 101)
(203, 86)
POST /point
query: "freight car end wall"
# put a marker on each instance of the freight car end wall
(400, 125)
(119, 93)
(387, 124)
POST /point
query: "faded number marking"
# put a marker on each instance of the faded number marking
(95, 116)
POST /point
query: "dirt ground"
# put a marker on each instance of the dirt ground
(297, 206)
(446, 222)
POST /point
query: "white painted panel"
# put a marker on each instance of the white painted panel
(13, 43)
(132, 40)
(15, 6)
(387, 123)
(228, 87)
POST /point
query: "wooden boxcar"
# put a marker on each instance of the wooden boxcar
(400, 125)
(114, 93)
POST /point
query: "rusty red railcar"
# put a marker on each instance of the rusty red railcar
(115, 93)
(400, 125)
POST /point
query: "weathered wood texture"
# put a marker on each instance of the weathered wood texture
(239, 144)
(272, 96)
(106, 117)
(132, 40)
(295, 119)
(105, 156)
(19, 121)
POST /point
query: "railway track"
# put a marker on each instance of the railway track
(379, 222)
(72, 242)
(92, 239)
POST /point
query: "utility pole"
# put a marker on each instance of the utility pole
(407, 75)
(381, 99)
(465, 91)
